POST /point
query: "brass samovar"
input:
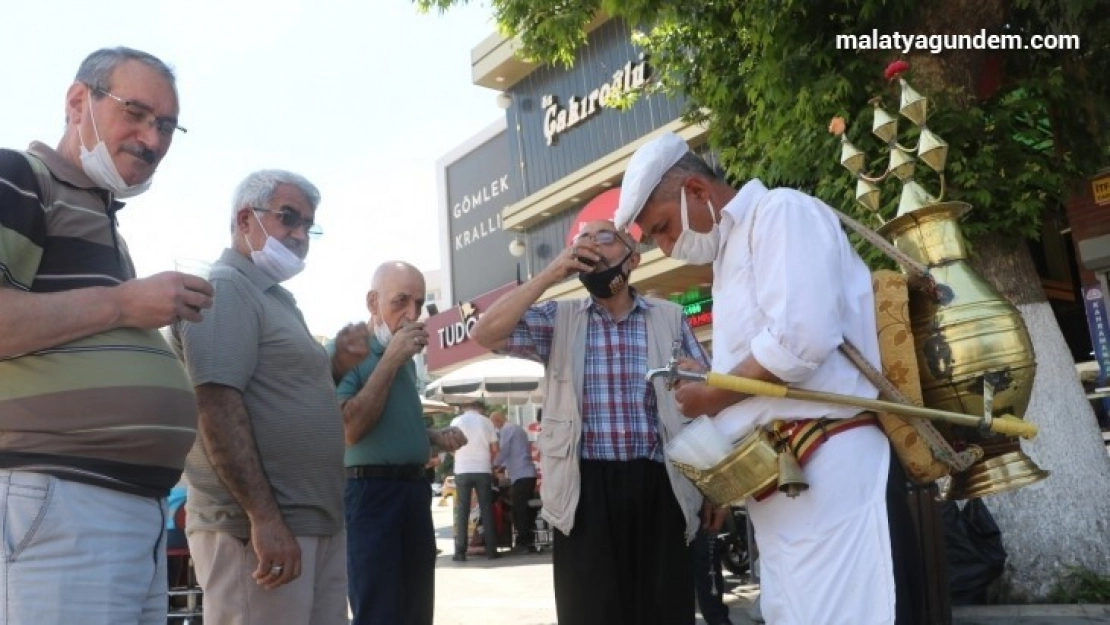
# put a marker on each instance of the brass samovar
(973, 350)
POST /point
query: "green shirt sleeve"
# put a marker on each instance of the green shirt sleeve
(355, 379)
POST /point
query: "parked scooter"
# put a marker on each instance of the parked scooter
(732, 542)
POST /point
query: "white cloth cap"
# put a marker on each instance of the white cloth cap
(645, 170)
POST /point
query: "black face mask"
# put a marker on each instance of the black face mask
(607, 282)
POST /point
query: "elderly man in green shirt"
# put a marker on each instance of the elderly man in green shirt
(391, 545)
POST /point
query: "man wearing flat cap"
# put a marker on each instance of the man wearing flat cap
(474, 472)
(623, 515)
(788, 289)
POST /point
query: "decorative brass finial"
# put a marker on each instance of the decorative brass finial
(930, 149)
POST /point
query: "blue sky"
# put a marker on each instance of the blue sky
(362, 97)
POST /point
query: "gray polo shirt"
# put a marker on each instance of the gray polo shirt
(254, 339)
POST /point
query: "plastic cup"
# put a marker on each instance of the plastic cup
(700, 444)
(194, 267)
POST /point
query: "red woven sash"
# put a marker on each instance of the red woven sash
(805, 436)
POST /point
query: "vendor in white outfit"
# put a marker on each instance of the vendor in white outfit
(787, 289)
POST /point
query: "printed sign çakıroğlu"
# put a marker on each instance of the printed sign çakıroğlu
(559, 119)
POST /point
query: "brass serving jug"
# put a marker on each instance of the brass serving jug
(973, 349)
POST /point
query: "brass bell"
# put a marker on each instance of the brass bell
(791, 479)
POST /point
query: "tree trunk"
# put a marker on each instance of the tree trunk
(1006, 263)
(1064, 520)
(956, 72)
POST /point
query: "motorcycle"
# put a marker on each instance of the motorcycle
(731, 544)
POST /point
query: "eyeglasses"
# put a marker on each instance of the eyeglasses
(601, 237)
(140, 113)
(292, 219)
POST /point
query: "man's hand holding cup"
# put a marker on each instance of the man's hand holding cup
(409, 340)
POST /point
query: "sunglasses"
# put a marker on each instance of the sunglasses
(292, 219)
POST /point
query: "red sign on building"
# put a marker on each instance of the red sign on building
(602, 207)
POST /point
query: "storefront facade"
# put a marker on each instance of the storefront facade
(568, 144)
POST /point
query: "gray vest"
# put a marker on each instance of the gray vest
(561, 429)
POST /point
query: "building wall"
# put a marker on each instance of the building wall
(1087, 220)
(609, 51)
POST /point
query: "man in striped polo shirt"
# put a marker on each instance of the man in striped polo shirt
(96, 412)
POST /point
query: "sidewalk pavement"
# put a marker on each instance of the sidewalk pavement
(985, 615)
(517, 590)
(740, 600)
(1030, 614)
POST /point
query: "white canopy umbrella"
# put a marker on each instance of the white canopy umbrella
(515, 379)
(432, 406)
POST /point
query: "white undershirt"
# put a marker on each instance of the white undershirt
(474, 456)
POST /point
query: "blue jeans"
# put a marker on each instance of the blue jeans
(391, 551)
(75, 553)
(483, 483)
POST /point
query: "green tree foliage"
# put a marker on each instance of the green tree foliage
(1025, 127)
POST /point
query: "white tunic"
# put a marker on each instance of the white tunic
(787, 288)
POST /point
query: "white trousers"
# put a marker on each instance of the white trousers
(825, 555)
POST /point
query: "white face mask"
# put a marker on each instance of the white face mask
(696, 248)
(274, 259)
(100, 168)
(382, 333)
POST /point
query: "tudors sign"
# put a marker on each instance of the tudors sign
(559, 119)
(450, 330)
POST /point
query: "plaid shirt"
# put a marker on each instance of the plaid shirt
(620, 414)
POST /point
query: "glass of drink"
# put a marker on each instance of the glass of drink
(194, 267)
